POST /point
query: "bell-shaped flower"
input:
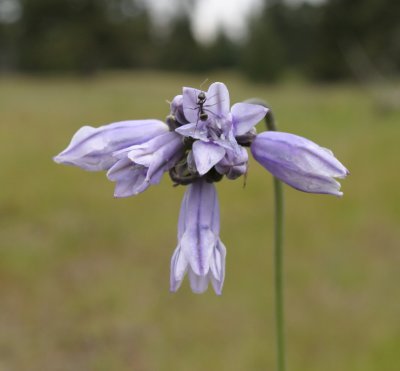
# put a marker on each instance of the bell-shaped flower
(142, 165)
(200, 251)
(92, 148)
(299, 162)
(216, 132)
(233, 165)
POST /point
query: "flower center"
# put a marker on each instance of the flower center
(215, 130)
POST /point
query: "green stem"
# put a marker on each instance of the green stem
(278, 254)
(278, 259)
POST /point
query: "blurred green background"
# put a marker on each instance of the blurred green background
(84, 277)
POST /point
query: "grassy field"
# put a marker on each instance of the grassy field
(84, 277)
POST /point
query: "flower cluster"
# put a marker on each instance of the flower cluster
(202, 140)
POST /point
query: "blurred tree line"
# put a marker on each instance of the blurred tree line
(333, 40)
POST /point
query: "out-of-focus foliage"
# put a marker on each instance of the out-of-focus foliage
(329, 41)
(178, 48)
(352, 31)
(337, 39)
(81, 35)
(282, 38)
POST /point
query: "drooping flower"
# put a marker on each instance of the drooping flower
(92, 148)
(200, 252)
(299, 162)
(136, 153)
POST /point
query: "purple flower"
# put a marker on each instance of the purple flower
(202, 141)
(92, 148)
(200, 251)
(299, 162)
(142, 165)
(216, 134)
(135, 153)
(233, 165)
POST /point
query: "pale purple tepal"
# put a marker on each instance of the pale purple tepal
(299, 162)
(200, 251)
(202, 140)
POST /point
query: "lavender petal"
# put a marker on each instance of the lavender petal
(217, 267)
(198, 283)
(190, 106)
(196, 131)
(91, 148)
(234, 164)
(177, 110)
(179, 267)
(200, 252)
(158, 154)
(245, 116)
(299, 162)
(218, 102)
(129, 177)
(206, 155)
